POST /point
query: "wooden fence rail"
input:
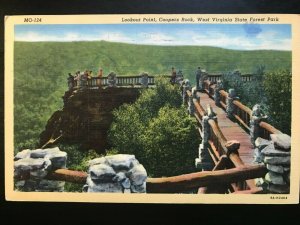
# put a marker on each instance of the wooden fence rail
(177, 184)
(217, 141)
(181, 183)
(136, 80)
(223, 97)
(242, 113)
(267, 129)
(215, 77)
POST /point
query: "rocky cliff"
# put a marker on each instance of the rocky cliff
(86, 117)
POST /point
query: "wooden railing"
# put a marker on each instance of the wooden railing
(217, 140)
(136, 80)
(246, 77)
(267, 129)
(199, 112)
(223, 98)
(180, 183)
(215, 77)
(218, 144)
(209, 87)
(242, 113)
(120, 81)
(175, 184)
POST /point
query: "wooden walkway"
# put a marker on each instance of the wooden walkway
(230, 129)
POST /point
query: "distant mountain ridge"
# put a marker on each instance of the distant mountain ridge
(126, 59)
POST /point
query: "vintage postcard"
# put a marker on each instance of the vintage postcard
(143, 108)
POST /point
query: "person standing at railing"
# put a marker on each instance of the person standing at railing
(91, 81)
(173, 76)
(90, 74)
(83, 79)
(179, 77)
(70, 81)
(198, 79)
(100, 75)
(77, 78)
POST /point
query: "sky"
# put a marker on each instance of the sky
(230, 36)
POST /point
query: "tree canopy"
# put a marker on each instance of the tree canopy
(273, 90)
(158, 131)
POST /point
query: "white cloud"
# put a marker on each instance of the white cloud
(265, 40)
(219, 40)
(156, 38)
(35, 36)
(115, 37)
(270, 40)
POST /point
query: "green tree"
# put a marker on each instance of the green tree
(250, 92)
(278, 90)
(157, 130)
(272, 90)
(170, 143)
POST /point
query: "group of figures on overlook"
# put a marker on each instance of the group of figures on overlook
(82, 79)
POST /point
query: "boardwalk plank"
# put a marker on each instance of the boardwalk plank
(230, 129)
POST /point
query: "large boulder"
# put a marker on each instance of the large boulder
(103, 187)
(271, 151)
(101, 172)
(120, 161)
(261, 143)
(32, 166)
(276, 160)
(274, 178)
(22, 154)
(282, 141)
(137, 174)
(116, 173)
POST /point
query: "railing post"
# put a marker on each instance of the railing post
(199, 74)
(217, 95)
(112, 79)
(185, 87)
(194, 93)
(230, 107)
(203, 157)
(204, 161)
(191, 106)
(144, 80)
(256, 118)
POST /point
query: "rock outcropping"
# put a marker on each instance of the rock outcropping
(32, 166)
(87, 116)
(276, 155)
(116, 173)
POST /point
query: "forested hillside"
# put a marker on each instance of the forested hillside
(41, 68)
